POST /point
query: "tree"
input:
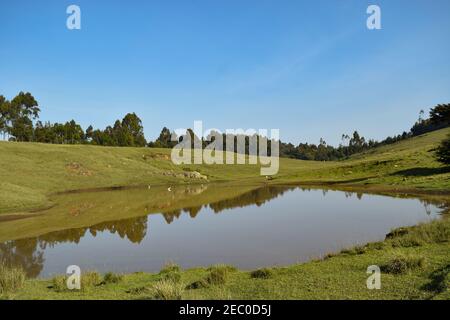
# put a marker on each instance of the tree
(443, 151)
(164, 140)
(24, 105)
(22, 110)
(132, 125)
(88, 134)
(73, 133)
(440, 114)
(4, 115)
(22, 129)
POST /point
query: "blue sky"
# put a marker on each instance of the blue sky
(310, 68)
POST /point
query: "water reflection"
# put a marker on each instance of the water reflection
(26, 253)
(29, 253)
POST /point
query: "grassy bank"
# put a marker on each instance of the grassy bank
(414, 263)
(31, 172)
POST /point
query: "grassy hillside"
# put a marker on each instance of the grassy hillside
(30, 172)
(413, 261)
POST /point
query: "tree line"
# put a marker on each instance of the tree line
(19, 122)
(351, 144)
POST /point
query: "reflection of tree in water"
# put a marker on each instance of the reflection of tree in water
(23, 253)
(133, 229)
(29, 253)
(443, 206)
(257, 196)
(169, 216)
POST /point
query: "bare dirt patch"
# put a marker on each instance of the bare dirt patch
(77, 169)
(156, 156)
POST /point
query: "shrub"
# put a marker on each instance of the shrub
(226, 267)
(355, 250)
(171, 272)
(443, 151)
(376, 245)
(397, 233)
(217, 276)
(59, 283)
(174, 276)
(403, 264)
(170, 267)
(437, 231)
(263, 273)
(11, 279)
(88, 279)
(197, 284)
(168, 290)
(138, 290)
(111, 277)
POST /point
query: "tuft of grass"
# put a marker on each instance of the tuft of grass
(174, 276)
(437, 231)
(380, 245)
(138, 290)
(11, 279)
(403, 264)
(263, 273)
(355, 250)
(111, 277)
(217, 276)
(228, 268)
(88, 279)
(168, 290)
(171, 272)
(59, 283)
(199, 284)
(170, 267)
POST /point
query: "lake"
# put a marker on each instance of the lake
(246, 226)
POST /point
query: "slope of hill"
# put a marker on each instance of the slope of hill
(30, 172)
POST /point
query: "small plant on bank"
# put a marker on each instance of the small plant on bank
(228, 268)
(170, 267)
(171, 272)
(88, 279)
(138, 290)
(263, 273)
(437, 231)
(59, 283)
(11, 279)
(111, 277)
(168, 290)
(217, 276)
(403, 264)
(355, 250)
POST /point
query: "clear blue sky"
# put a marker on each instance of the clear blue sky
(309, 68)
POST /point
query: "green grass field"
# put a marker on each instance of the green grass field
(30, 173)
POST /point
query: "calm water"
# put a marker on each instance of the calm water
(260, 227)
